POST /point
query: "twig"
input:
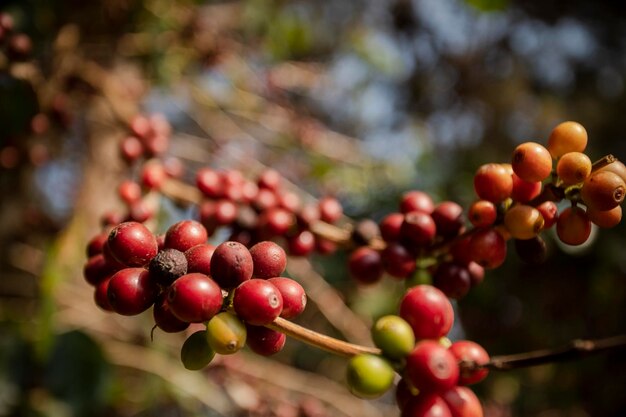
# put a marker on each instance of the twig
(577, 349)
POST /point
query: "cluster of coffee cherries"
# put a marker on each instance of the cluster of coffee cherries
(234, 291)
(14, 46)
(433, 380)
(516, 200)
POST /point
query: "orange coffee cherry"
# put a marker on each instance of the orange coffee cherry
(567, 137)
(523, 222)
(573, 226)
(573, 168)
(531, 162)
(603, 190)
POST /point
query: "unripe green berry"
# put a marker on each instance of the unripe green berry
(394, 336)
(369, 376)
(226, 333)
(421, 276)
(196, 352)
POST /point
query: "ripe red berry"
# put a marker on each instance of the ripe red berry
(487, 248)
(209, 182)
(276, 221)
(194, 298)
(449, 218)
(550, 212)
(416, 201)
(185, 235)
(96, 244)
(96, 269)
(269, 259)
(398, 261)
(131, 291)
(165, 319)
(199, 258)
(428, 311)
(294, 296)
(153, 175)
(493, 182)
(524, 191)
(100, 295)
(301, 244)
(573, 226)
(462, 402)
(132, 244)
(365, 265)
(418, 228)
(131, 148)
(427, 405)
(330, 209)
(390, 227)
(270, 179)
(453, 279)
(257, 302)
(231, 264)
(466, 350)
(264, 341)
(129, 191)
(430, 367)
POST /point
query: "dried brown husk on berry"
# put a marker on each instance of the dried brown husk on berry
(167, 266)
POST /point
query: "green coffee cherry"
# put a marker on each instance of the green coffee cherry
(445, 342)
(369, 376)
(196, 352)
(394, 336)
(226, 333)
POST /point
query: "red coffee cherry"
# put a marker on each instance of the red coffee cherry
(493, 182)
(427, 405)
(459, 249)
(428, 311)
(365, 265)
(308, 215)
(265, 199)
(132, 244)
(96, 244)
(209, 182)
(96, 269)
(430, 367)
(449, 218)
(466, 350)
(257, 302)
(418, 228)
(477, 273)
(131, 149)
(453, 279)
(294, 296)
(100, 295)
(531, 162)
(140, 211)
(462, 402)
(185, 235)
(289, 201)
(231, 264)
(301, 244)
(487, 248)
(164, 319)
(276, 221)
(550, 212)
(573, 226)
(603, 190)
(364, 232)
(264, 341)
(131, 291)
(398, 261)
(390, 227)
(330, 209)
(270, 179)
(524, 191)
(141, 127)
(416, 201)
(194, 298)
(153, 175)
(129, 191)
(567, 137)
(482, 213)
(199, 258)
(269, 260)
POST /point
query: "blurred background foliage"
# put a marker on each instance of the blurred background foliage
(360, 99)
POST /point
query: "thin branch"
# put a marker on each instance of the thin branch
(576, 349)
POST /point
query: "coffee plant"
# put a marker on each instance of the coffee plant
(209, 254)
